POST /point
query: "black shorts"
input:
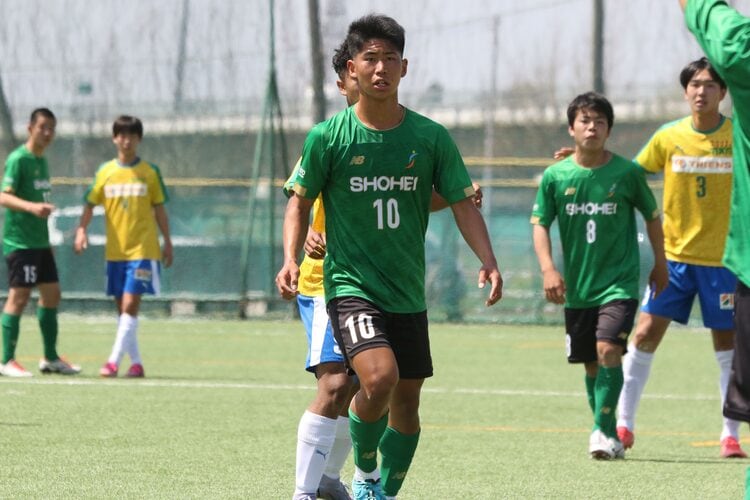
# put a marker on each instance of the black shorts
(611, 322)
(737, 402)
(30, 267)
(359, 325)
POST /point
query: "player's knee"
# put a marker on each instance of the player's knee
(379, 385)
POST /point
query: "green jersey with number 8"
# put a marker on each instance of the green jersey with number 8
(595, 211)
(376, 187)
(27, 177)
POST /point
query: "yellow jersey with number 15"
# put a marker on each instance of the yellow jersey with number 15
(128, 194)
(697, 168)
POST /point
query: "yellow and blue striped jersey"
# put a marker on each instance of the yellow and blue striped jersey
(697, 170)
(128, 194)
(311, 270)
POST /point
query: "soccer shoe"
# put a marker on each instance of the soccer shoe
(135, 371)
(617, 448)
(13, 369)
(730, 448)
(333, 489)
(600, 446)
(58, 366)
(367, 489)
(108, 370)
(626, 437)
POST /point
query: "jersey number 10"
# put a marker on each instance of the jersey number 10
(388, 214)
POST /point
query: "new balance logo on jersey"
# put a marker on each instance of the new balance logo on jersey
(570, 191)
(383, 183)
(726, 301)
(42, 184)
(357, 160)
(130, 189)
(609, 208)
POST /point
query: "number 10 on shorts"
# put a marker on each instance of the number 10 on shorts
(361, 328)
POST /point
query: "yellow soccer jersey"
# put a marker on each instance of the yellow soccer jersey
(311, 270)
(128, 194)
(697, 170)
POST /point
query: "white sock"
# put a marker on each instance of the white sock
(120, 347)
(724, 358)
(315, 436)
(342, 445)
(636, 366)
(360, 475)
(131, 338)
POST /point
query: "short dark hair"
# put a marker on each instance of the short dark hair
(125, 124)
(340, 57)
(45, 112)
(689, 71)
(375, 26)
(593, 101)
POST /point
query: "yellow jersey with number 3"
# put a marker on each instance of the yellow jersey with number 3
(128, 194)
(697, 169)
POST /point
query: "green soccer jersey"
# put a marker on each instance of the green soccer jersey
(376, 187)
(595, 212)
(726, 41)
(27, 177)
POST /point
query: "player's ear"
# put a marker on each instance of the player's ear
(404, 65)
(340, 85)
(350, 69)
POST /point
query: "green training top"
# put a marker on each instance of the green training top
(27, 177)
(376, 187)
(724, 35)
(595, 211)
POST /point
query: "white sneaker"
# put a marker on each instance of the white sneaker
(58, 366)
(600, 446)
(617, 448)
(333, 489)
(13, 369)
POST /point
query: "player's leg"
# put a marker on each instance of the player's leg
(141, 277)
(318, 431)
(22, 275)
(115, 272)
(411, 346)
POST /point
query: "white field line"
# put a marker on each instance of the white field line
(166, 383)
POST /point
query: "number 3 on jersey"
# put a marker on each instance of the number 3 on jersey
(591, 231)
(388, 214)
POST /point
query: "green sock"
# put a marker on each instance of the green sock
(396, 450)
(607, 392)
(11, 329)
(365, 439)
(747, 484)
(48, 325)
(590, 384)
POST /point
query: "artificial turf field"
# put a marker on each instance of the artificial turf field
(216, 417)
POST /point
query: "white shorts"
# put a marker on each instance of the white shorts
(321, 346)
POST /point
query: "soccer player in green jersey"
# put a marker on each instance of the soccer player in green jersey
(724, 35)
(376, 164)
(26, 198)
(593, 194)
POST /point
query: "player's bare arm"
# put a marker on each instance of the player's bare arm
(658, 279)
(683, 4)
(295, 227)
(162, 220)
(81, 241)
(13, 202)
(474, 231)
(437, 202)
(553, 283)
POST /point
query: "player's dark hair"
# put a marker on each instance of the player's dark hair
(593, 101)
(340, 57)
(45, 112)
(374, 26)
(689, 71)
(125, 124)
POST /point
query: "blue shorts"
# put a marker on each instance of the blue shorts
(714, 286)
(321, 346)
(133, 276)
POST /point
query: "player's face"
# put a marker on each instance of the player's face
(126, 143)
(348, 88)
(42, 131)
(590, 130)
(703, 93)
(377, 69)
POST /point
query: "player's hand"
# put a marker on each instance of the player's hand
(287, 279)
(658, 279)
(81, 241)
(563, 153)
(167, 253)
(554, 286)
(477, 195)
(42, 210)
(491, 273)
(315, 244)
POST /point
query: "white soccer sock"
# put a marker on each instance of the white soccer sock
(724, 358)
(131, 338)
(360, 475)
(636, 366)
(340, 450)
(315, 436)
(121, 342)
